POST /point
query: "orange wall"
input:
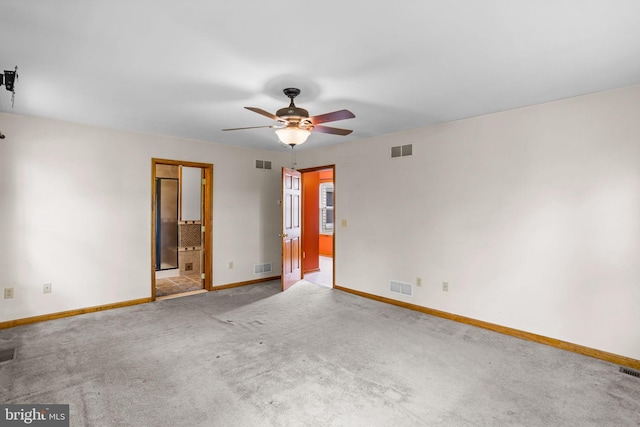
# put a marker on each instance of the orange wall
(314, 244)
(326, 245)
(326, 175)
(310, 220)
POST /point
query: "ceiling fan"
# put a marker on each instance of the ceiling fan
(294, 124)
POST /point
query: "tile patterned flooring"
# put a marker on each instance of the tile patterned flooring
(178, 285)
(324, 277)
(182, 284)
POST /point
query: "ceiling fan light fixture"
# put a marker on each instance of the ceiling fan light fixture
(294, 124)
(292, 135)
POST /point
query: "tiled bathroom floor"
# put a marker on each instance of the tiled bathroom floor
(178, 285)
(324, 277)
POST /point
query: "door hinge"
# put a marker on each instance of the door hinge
(204, 181)
(203, 228)
(202, 276)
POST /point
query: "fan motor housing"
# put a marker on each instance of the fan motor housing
(292, 112)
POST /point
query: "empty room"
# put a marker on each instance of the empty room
(334, 214)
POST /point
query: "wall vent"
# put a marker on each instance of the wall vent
(401, 288)
(402, 150)
(263, 164)
(630, 371)
(7, 355)
(262, 268)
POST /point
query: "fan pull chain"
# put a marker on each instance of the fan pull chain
(293, 158)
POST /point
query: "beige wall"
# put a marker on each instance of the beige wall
(532, 216)
(76, 212)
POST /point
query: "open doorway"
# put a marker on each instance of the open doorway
(318, 224)
(181, 228)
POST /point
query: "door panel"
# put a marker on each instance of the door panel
(291, 230)
(288, 211)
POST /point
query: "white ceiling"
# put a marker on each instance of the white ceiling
(187, 68)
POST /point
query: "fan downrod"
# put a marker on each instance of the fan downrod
(292, 111)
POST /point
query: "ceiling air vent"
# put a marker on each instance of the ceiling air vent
(263, 164)
(402, 150)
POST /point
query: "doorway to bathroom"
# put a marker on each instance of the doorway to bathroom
(181, 228)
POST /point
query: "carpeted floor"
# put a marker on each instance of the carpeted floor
(311, 356)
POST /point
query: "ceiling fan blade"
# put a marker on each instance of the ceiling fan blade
(254, 127)
(333, 131)
(264, 113)
(332, 117)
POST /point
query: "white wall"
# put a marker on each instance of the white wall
(532, 216)
(75, 211)
(191, 192)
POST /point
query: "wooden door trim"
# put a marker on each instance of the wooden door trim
(207, 219)
(335, 218)
(318, 168)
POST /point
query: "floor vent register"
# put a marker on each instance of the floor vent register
(7, 355)
(629, 371)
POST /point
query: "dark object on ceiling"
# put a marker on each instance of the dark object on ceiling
(8, 79)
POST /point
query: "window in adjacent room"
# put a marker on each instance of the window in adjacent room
(326, 208)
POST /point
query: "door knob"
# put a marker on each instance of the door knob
(283, 235)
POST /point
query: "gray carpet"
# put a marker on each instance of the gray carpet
(311, 356)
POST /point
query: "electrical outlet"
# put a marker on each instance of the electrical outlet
(8, 293)
(445, 286)
(46, 288)
(344, 223)
(419, 281)
(230, 264)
